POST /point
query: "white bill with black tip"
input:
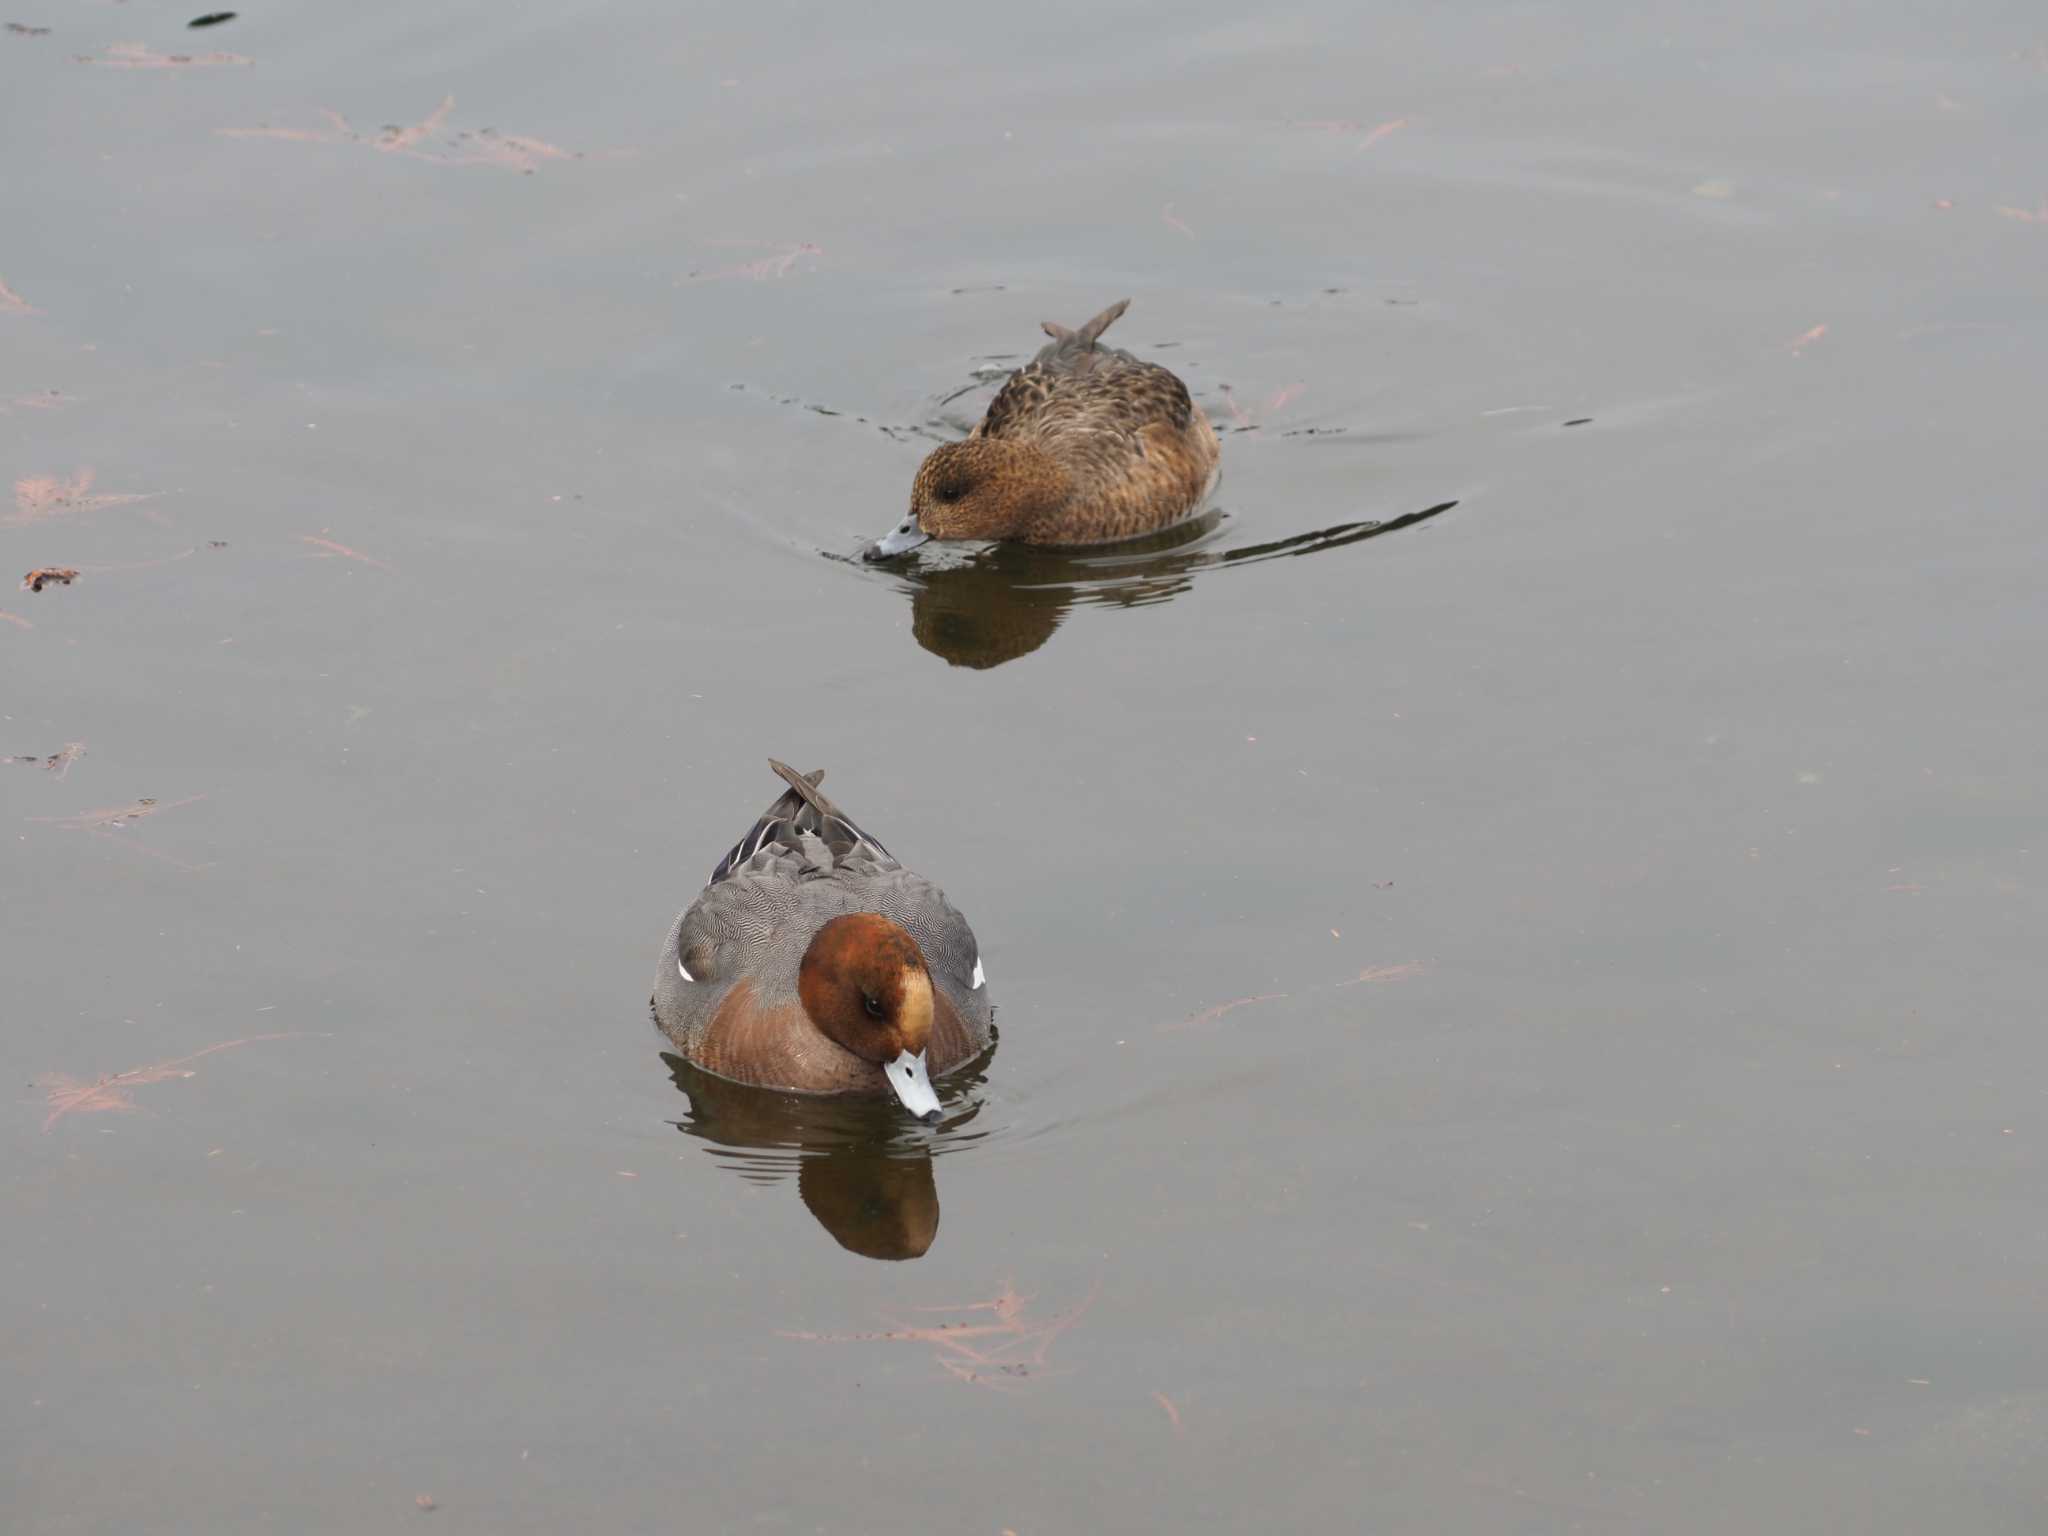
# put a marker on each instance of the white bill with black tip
(913, 1085)
(901, 539)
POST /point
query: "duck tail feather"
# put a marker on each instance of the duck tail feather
(1085, 337)
(778, 823)
(805, 787)
(1102, 322)
(834, 826)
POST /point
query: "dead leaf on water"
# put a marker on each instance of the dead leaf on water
(780, 262)
(140, 56)
(140, 565)
(1382, 973)
(1249, 419)
(483, 146)
(63, 1095)
(12, 303)
(1006, 1348)
(1212, 1014)
(40, 400)
(114, 816)
(1371, 973)
(1349, 127)
(48, 575)
(57, 763)
(329, 548)
(1382, 131)
(41, 497)
(105, 823)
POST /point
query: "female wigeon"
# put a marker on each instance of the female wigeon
(1083, 445)
(813, 962)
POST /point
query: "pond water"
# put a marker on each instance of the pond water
(1517, 936)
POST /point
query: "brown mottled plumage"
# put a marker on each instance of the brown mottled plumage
(1083, 445)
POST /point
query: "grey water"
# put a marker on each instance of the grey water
(1517, 935)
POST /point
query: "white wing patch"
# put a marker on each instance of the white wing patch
(980, 980)
(684, 969)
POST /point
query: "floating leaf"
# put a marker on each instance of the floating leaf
(140, 56)
(484, 146)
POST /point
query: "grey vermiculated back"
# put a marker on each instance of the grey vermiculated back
(801, 864)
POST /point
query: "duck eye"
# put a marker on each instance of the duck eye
(873, 1005)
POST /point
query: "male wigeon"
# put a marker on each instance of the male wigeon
(813, 962)
(1084, 444)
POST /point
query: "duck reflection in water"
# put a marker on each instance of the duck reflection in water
(861, 1169)
(982, 605)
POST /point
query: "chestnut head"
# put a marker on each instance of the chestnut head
(863, 982)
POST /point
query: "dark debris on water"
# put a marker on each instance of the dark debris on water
(58, 763)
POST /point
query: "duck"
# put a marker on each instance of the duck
(812, 962)
(1085, 444)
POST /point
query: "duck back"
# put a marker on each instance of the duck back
(1140, 455)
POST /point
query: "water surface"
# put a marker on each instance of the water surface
(1526, 1020)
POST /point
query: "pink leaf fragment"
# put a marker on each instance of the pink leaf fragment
(139, 56)
(1371, 973)
(343, 550)
(484, 146)
(41, 400)
(780, 263)
(57, 763)
(105, 823)
(998, 1353)
(64, 1095)
(40, 497)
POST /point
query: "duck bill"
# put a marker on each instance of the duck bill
(913, 1085)
(901, 539)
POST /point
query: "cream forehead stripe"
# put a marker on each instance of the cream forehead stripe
(684, 969)
(980, 980)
